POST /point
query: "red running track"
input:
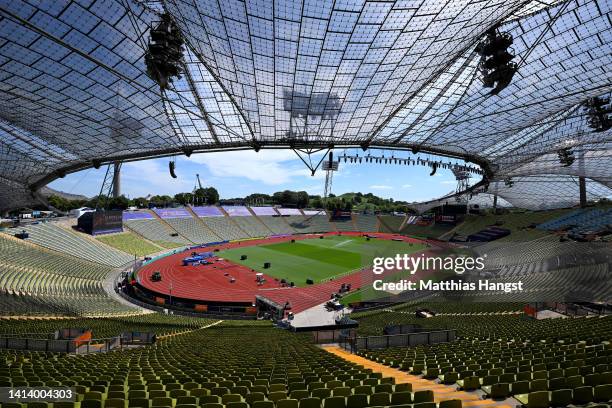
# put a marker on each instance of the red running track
(211, 283)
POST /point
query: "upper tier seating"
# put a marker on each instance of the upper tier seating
(225, 228)
(344, 225)
(155, 230)
(193, 230)
(60, 239)
(34, 281)
(581, 221)
(311, 223)
(366, 223)
(252, 226)
(390, 223)
(277, 224)
(521, 224)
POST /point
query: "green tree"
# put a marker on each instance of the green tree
(208, 195)
(301, 199)
(118, 203)
(140, 202)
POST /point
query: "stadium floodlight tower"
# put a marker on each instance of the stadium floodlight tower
(462, 176)
(329, 166)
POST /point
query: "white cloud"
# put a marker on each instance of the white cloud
(152, 177)
(271, 167)
(381, 187)
(448, 182)
(406, 185)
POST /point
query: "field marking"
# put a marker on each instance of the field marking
(339, 244)
(301, 265)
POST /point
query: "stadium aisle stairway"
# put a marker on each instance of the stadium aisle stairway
(441, 392)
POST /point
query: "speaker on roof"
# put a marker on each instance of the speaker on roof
(172, 167)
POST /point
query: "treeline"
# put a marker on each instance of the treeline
(201, 196)
(210, 196)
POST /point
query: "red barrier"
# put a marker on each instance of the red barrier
(83, 338)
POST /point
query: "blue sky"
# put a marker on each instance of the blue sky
(237, 174)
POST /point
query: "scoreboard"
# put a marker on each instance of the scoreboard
(101, 222)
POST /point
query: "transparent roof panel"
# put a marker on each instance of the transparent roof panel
(74, 87)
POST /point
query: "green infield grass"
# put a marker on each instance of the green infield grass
(130, 243)
(317, 259)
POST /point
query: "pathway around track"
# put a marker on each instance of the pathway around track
(441, 392)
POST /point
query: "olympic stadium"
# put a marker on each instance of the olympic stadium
(497, 293)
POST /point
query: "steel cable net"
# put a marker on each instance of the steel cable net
(74, 88)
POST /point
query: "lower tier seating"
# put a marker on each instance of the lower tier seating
(543, 361)
(39, 281)
(52, 236)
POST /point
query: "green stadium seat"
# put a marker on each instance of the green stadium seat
(423, 396)
(262, 404)
(539, 399)
(497, 391)
(299, 394)
(357, 401)
(91, 403)
(560, 398)
(341, 392)
(402, 387)
(469, 383)
(363, 389)
(240, 404)
(187, 400)
(161, 402)
(425, 405)
(311, 402)
(277, 395)
(321, 393)
(582, 395)
(400, 398)
(453, 403)
(380, 398)
(334, 402)
(602, 393)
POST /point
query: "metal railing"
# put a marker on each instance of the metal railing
(355, 344)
